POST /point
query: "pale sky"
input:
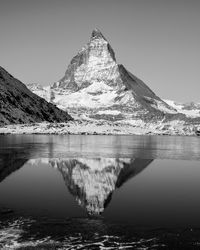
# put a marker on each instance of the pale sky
(156, 40)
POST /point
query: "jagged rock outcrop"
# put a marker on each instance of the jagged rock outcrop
(92, 181)
(19, 105)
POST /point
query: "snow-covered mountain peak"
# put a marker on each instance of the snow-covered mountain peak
(96, 33)
(96, 85)
(99, 42)
(94, 62)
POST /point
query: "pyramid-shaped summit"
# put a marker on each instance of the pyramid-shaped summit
(94, 62)
(94, 81)
(96, 33)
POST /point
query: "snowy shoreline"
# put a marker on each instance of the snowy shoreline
(101, 127)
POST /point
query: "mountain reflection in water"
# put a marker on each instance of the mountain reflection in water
(92, 181)
(54, 190)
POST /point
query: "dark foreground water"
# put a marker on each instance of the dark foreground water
(99, 192)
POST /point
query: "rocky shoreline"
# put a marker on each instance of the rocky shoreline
(101, 127)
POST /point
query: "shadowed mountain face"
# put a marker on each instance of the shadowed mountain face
(93, 181)
(19, 105)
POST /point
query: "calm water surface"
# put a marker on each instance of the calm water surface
(99, 192)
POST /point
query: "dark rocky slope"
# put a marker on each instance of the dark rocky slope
(19, 105)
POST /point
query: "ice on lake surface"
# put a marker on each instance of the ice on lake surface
(99, 192)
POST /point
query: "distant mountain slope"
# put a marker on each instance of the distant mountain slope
(42, 91)
(191, 109)
(19, 105)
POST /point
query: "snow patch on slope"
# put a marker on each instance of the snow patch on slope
(42, 91)
(95, 96)
(108, 112)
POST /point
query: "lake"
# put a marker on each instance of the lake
(99, 192)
